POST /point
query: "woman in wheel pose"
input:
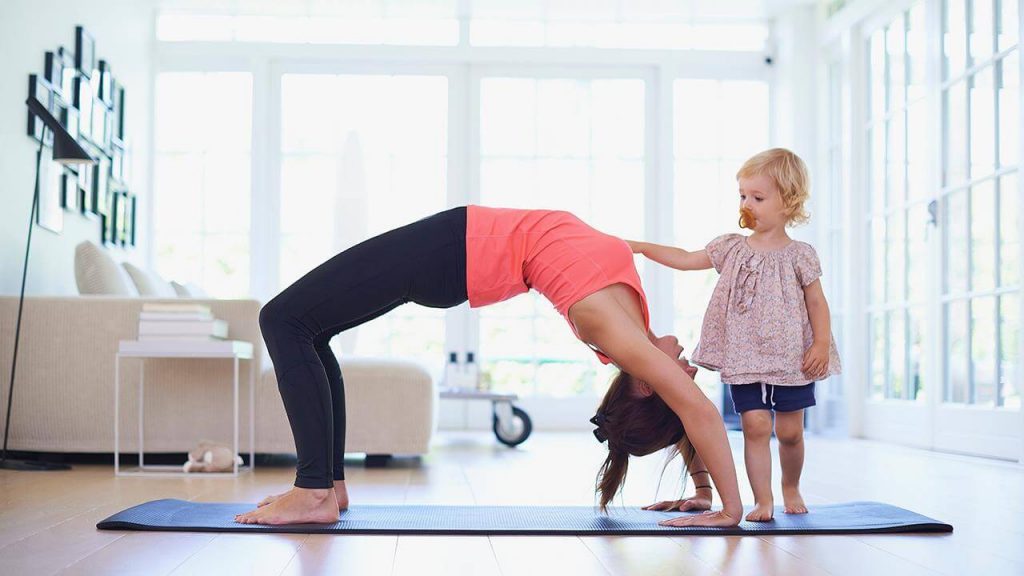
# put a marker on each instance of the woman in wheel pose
(488, 255)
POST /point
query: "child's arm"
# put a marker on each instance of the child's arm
(672, 257)
(816, 357)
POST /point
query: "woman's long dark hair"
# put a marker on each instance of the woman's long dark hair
(634, 425)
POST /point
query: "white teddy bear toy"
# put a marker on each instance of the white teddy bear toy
(211, 457)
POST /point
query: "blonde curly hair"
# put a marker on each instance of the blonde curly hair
(789, 174)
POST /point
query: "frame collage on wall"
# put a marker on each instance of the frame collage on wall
(81, 91)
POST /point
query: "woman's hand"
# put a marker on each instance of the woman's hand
(716, 519)
(816, 360)
(684, 505)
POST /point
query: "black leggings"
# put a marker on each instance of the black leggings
(423, 262)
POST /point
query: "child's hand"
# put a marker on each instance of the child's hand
(690, 370)
(816, 360)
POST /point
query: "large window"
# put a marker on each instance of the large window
(361, 155)
(980, 191)
(899, 210)
(202, 179)
(718, 125)
(568, 144)
(361, 109)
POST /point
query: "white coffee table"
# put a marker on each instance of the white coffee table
(233, 350)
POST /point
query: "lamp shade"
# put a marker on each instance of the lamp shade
(66, 150)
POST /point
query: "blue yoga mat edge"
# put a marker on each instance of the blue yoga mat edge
(129, 520)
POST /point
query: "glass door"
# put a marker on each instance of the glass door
(564, 140)
(943, 228)
(361, 154)
(979, 399)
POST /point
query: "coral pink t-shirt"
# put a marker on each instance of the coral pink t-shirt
(509, 251)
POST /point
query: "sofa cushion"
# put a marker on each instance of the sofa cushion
(149, 283)
(188, 290)
(97, 273)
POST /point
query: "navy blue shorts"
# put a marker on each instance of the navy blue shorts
(769, 397)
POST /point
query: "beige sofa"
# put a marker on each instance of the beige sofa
(64, 393)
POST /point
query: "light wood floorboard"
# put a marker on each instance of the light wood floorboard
(47, 519)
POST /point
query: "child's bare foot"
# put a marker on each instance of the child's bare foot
(297, 506)
(762, 512)
(340, 492)
(793, 501)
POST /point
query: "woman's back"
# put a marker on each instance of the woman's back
(509, 251)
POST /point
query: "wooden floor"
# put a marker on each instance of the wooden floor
(47, 519)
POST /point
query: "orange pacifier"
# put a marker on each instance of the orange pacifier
(747, 219)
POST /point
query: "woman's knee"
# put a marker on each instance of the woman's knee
(322, 343)
(273, 316)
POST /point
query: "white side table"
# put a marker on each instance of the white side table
(233, 350)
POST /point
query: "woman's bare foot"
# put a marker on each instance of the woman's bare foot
(297, 506)
(762, 512)
(270, 499)
(340, 492)
(793, 501)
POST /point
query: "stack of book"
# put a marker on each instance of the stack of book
(188, 322)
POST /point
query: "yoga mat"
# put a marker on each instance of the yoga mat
(850, 518)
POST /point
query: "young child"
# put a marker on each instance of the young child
(766, 329)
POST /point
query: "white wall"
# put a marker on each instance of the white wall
(794, 116)
(123, 30)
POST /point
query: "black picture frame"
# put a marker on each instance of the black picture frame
(94, 85)
(83, 102)
(107, 220)
(105, 226)
(69, 120)
(117, 111)
(101, 186)
(85, 199)
(68, 72)
(131, 219)
(100, 115)
(114, 201)
(85, 51)
(57, 107)
(110, 132)
(54, 72)
(105, 87)
(122, 219)
(41, 90)
(70, 198)
(116, 161)
(49, 214)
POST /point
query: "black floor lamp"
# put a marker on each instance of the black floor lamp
(66, 150)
